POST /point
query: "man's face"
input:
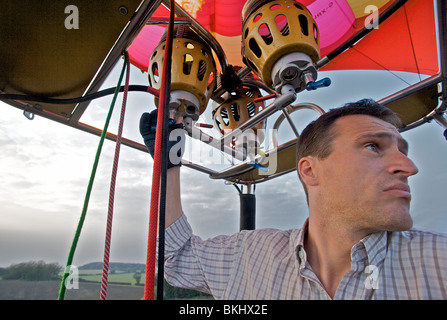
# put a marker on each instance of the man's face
(363, 183)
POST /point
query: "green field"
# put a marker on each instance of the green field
(117, 277)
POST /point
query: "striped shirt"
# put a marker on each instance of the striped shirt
(272, 264)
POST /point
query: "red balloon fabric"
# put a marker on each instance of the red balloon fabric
(404, 42)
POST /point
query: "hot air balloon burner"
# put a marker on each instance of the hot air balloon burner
(236, 110)
(280, 42)
(192, 72)
(185, 104)
(295, 69)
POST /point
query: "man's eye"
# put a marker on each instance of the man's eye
(372, 146)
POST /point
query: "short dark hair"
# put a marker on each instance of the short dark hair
(316, 139)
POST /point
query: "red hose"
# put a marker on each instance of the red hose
(155, 192)
(108, 238)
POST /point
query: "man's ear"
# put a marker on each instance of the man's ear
(307, 170)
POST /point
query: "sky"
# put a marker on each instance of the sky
(45, 168)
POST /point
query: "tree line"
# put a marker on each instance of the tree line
(32, 271)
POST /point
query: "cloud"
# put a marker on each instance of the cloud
(288, 209)
(211, 206)
(20, 246)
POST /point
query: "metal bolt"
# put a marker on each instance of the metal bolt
(123, 10)
(289, 74)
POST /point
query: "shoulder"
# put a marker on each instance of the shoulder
(257, 235)
(252, 240)
(417, 238)
(267, 234)
(267, 246)
(417, 233)
(271, 242)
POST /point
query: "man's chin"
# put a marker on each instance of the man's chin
(403, 224)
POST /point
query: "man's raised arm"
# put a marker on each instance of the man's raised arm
(148, 124)
(173, 199)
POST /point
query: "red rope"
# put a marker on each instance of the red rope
(155, 191)
(105, 266)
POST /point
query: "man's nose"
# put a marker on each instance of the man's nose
(403, 164)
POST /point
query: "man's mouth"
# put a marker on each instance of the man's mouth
(401, 190)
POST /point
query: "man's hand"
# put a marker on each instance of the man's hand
(176, 139)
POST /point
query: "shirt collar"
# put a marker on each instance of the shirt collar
(298, 244)
(373, 247)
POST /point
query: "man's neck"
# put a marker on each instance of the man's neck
(329, 254)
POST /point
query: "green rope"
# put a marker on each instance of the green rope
(89, 189)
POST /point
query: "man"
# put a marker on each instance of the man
(357, 242)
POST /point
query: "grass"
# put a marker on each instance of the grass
(49, 290)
